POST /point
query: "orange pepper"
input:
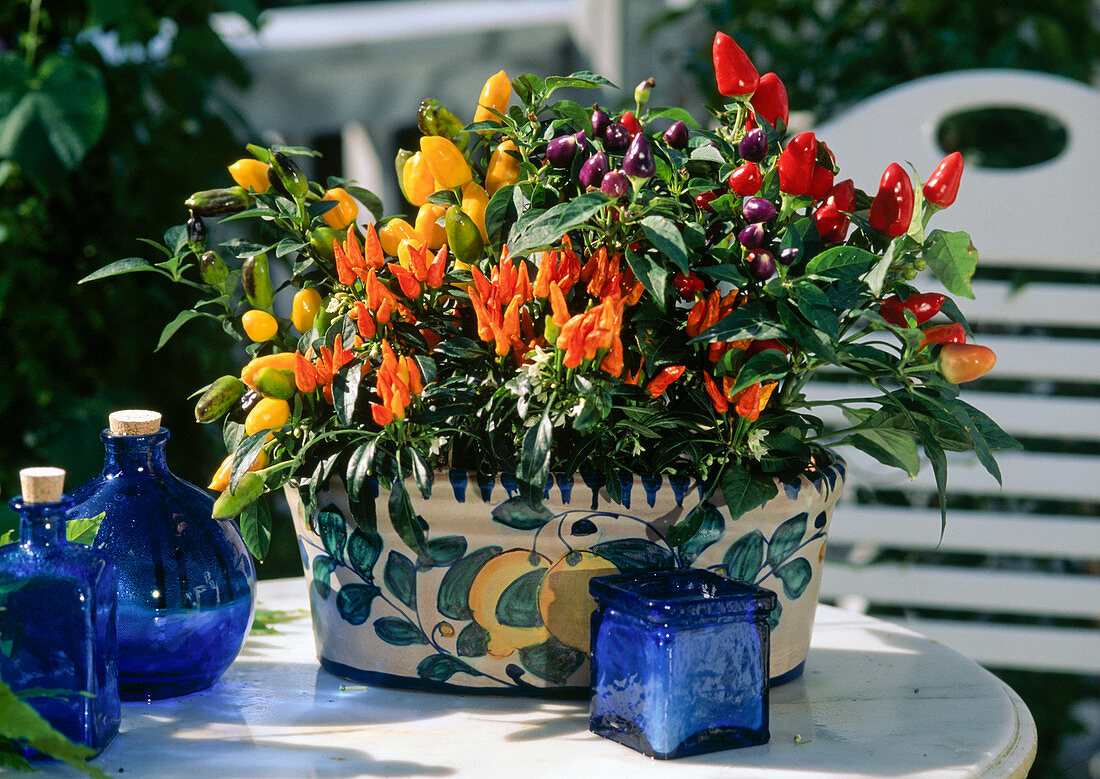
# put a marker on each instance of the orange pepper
(344, 212)
(495, 96)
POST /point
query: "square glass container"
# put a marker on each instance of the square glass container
(680, 662)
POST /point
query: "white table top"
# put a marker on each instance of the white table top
(876, 700)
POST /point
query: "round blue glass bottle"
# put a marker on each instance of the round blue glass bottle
(57, 619)
(186, 582)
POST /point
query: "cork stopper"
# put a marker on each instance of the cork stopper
(42, 485)
(134, 422)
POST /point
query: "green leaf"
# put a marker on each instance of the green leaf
(953, 259)
(404, 519)
(182, 318)
(49, 120)
(842, 262)
(730, 273)
(534, 459)
(364, 548)
(744, 492)
(119, 267)
(345, 391)
(745, 557)
(398, 632)
(369, 200)
(710, 528)
(19, 720)
(666, 238)
(522, 514)
(675, 113)
(548, 227)
(496, 213)
(422, 475)
(358, 470)
(333, 529)
(582, 79)
(323, 566)
(354, 602)
(400, 576)
(453, 599)
(813, 304)
(796, 576)
(653, 275)
(768, 365)
(245, 454)
(786, 539)
(255, 522)
(890, 447)
(749, 321)
(82, 531)
(440, 668)
(635, 554)
(551, 660)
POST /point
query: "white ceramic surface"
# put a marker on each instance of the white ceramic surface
(876, 700)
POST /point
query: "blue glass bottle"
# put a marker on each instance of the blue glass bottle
(57, 618)
(680, 662)
(186, 582)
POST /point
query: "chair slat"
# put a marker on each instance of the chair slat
(981, 590)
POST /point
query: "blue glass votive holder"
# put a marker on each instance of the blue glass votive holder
(680, 662)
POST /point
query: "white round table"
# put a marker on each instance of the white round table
(876, 700)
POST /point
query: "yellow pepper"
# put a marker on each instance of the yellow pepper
(428, 226)
(345, 210)
(220, 482)
(282, 361)
(474, 202)
(503, 167)
(268, 413)
(447, 164)
(494, 95)
(393, 232)
(307, 302)
(259, 325)
(251, 174)
(417, 180)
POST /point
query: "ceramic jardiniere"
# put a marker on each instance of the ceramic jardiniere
(503, 604)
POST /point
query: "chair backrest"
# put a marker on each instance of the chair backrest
(1020, 564)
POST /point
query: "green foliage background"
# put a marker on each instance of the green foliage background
(73, 199)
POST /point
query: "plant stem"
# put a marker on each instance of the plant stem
(32, 40)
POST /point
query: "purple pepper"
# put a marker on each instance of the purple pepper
(754, 146)
(638, 162)
(790, 255)
(676, 136)
(560, 151)
(615, 184)
(600, 121)
(758, 209)
(593, 170)
(616, 137)
(761, 264)
(752, 237)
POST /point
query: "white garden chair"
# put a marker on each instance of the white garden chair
(1033, 600)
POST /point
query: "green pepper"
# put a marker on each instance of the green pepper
(463, 238)
(287, 176)
(321, 239)
(213, 269)
(232, 502)
(219, 202)
(256, 280)
(219, 398)
(403, 156)
(434, 118)
(275, 383)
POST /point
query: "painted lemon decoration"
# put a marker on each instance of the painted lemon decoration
(503, 600)
(564, 601)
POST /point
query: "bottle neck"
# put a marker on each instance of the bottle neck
(41, 524)
(134, 454)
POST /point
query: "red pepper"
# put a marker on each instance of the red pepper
(717, 399)
(943, 185)
(821, 182)
(965, 362)
(746, 180)
(733, 70)
(665, 377)
(923, 306)
(892, 208)
(704, 199)
(631, 123)
(767, 343)
(953, 333)
(770, 101)
(796, 164)
(831, 219)
(687, 284)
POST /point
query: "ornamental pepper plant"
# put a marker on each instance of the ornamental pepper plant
(582, 290)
